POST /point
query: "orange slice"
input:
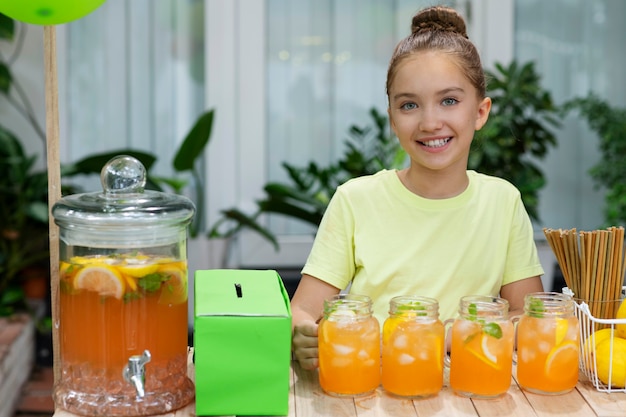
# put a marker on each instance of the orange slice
(102, 279)
(174, 290)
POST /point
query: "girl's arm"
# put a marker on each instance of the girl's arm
(514, 293)
(307, 305)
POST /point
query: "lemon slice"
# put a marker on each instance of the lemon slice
(482, 346)
(561, 331)
(138, 270)
(562, 359)
(132, 284)
(389, 329)
(174, 290)
(102, 279)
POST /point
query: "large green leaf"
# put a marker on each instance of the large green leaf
(195, 142)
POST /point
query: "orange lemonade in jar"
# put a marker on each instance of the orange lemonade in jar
(481, 353)
(413, 346)
(349, 346)
(548, 344)
(116, 306)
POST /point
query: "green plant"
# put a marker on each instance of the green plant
(306, 196)
(24, 223)
(519, 131)
(23, 191)
(609, 122)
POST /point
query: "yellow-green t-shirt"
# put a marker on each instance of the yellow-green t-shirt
(387, 241)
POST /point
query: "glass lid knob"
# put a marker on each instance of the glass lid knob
(123, 174)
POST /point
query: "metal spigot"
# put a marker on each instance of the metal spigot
(135, 371)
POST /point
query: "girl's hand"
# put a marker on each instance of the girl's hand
(304, 344)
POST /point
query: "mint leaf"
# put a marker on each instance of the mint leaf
(472, 311)
(493, 330)
(152, 282)
(536, 307)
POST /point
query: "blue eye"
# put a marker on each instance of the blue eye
(449, 101)
(408, 106)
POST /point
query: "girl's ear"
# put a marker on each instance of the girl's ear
(483, 113)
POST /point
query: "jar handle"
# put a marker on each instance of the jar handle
(515, 321)
(447, 325)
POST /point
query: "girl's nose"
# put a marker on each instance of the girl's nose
(429, 120)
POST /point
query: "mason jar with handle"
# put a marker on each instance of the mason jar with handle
(481, 353)
(349, 346)
(548, 344)
(123, 297)
(413, 348)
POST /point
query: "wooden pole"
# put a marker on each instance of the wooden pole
(54, 180)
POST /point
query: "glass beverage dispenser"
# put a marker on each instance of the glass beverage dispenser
(123, 297)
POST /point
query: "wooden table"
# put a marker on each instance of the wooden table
(306, 399)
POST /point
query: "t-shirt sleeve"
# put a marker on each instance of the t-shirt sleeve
(523, 259)
(332, 256)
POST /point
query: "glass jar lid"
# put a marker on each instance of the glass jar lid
(123, 212)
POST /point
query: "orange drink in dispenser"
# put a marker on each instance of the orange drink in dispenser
(413, 347)
(349, 346)
(123, 298)
(547, 344)
(481, 353)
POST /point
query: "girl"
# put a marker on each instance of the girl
(433, 229)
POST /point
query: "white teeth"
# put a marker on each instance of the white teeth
(436, 143)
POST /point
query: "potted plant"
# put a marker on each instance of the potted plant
(520, 129)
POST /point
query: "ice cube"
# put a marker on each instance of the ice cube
(405, 359)
(342, 349)
(363, 355)
(400, 341)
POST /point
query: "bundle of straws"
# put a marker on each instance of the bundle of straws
(593, 266)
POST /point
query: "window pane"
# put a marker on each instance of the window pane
(574, 44)
(135, 78)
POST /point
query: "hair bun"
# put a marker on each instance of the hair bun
(439, 18)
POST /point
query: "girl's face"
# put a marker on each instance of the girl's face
(434, 110)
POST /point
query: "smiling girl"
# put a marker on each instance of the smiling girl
(433, 229)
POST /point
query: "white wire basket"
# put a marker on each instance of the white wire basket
(587, 358)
